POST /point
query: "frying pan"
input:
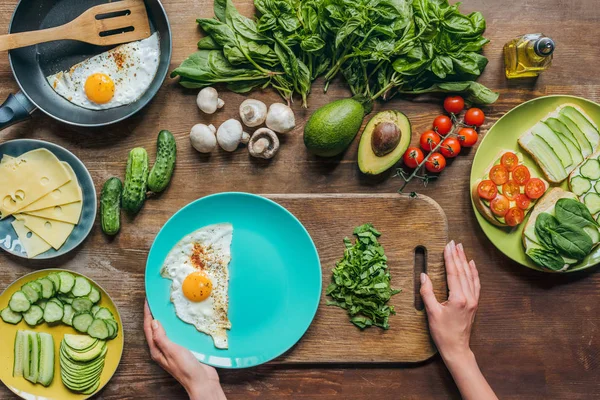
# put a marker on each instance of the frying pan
(31, 65)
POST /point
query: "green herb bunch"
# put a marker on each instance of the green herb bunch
(361, 280)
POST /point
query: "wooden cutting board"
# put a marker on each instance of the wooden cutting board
(406, 224)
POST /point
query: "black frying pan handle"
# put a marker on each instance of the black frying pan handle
(15, 109)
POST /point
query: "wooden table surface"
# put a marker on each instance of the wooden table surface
(536, 335)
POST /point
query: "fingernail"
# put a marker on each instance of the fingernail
(154, 324)
(423, 278)
(459, 246)
(452, 245)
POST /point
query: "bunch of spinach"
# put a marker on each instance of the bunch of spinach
(563, 234)
(361, 280)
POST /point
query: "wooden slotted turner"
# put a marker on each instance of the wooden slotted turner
(103, 25)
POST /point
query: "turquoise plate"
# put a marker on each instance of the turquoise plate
(274, 281)
(8, 237)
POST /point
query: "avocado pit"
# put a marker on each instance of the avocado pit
(385, 138)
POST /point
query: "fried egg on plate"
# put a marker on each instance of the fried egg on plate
(115, 78)
(198, 268)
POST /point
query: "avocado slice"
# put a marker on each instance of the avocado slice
(383, 142)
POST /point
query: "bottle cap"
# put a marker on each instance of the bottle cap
(544, 47)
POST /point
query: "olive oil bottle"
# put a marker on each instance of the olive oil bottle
(528, 55)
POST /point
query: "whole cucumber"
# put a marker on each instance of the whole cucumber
(162, 171)
(136, 180)
(110, 206)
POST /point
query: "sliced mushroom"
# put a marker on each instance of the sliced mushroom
(203, 138)
(230, 134)
(280, 118)
(253, 112)
(208, 100)
(263, 144)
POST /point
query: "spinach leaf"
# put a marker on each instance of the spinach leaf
(571, 241)
(219, 7)
(545, 224)
(570, 211)
(546, 259)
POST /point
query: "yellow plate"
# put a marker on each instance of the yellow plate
(56, 390)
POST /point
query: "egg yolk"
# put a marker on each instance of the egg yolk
(99, 88)
(197, 286)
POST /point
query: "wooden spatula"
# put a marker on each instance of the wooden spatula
(103, 25)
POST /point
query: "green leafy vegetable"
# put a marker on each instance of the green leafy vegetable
(361, 280)
(546, 258)
(569, 211)
(563, 238)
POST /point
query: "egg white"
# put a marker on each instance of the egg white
(131, 66)
(208, 316)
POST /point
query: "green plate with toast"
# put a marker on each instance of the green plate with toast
(503, 136)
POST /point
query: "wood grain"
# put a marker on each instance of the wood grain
(536, 335)
(329, 218)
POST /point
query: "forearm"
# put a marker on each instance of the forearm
(468, 377)
(209, 391)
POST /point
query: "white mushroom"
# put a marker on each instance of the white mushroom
(263, 144)
(203, 138)
(253, 112)
(280, 118)
(208, 100)
(230, 134)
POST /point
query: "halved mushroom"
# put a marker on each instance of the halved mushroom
(263, 144)
(253, 112)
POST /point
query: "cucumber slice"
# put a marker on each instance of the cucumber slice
(543, 131)
(57, 302)
(589, 130)
(31, 373)
(111, 329)
(98, 329)
(561, 128)
(46, 369)
(34, 316)
(92, 389)
(592, 231)
(42, 303)
(584, 143)
(592, 201)
(20, 337)
(82, 304)
(53, 312)
(68, 314)
(55, 280)
(104, 313)
(95, 310)
(37, 286)
(573, 150)
(11, 317)
(580, 185)
(81, 322)
(94, 295)
(19, 302)
(26, 360)
(31, 292)
(590, 169)
(65, 299)
(79, 342)
(82, 287)
(47, 288)
(597, 187)
(67, 281)
(115, 326)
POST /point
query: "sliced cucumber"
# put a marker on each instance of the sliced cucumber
(42, 303)
(79, 342)
(65, 299)
(547, 158)
(27, 344)
(590, 169)
(46, 369)
(115, 327)
(104, 313)
(584, 143)
(589, 130)
(11, 317)
(34, 316)
(597, 187)
(94, 295)
(47, 288)
(34, 359)
(31, 291)
(20, 338)
(561, 128)
(55, 278)
(57, 302)
(592, 201)
(19, 302)
(592, 231)
(82, 287)
(67, 281)
(95, 309)
(68, 314)
(81, 322)
(53, 312)
(560, 149)
(98, 329)
(82, 304)
(580, 185)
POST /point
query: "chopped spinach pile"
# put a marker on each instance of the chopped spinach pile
(381, 48)
(361, 280)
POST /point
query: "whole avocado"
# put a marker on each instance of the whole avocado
(331, 129)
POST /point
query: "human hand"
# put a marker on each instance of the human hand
(199, 380)
(450, 322)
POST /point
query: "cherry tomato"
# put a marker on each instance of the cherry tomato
(500, 205)
(499, 175)
(454, 104)
(450, 147)
(521, 174)
(487, 189)
(442, 124)
(514, 216)
(523, 201)
(429, 139)
(535, 188)
(435, 163)
(467, 137)
(511, 190)
(474, 117)
(413, 157)
(509, 160)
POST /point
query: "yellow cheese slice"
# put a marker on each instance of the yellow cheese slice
(55, 233)
(32, 243)
(67, 193)
(65, 212)
(29, 177)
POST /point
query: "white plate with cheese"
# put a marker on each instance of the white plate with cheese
(47, 199)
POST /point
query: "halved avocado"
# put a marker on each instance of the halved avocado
(383, 142)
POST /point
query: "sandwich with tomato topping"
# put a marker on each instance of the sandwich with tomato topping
(508, 191)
